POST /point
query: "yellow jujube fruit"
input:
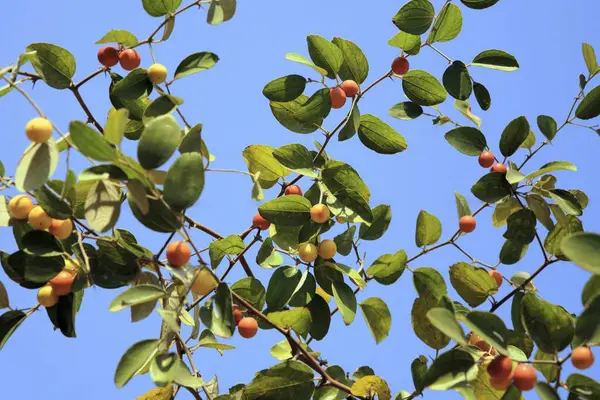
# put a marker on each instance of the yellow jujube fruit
(327, 249)
(46, 296)
(20, 206)
(308, 252)
(38, 130)
(157, 73)
(204, 282)
(38, 219)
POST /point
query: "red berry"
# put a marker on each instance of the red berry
(293, 189)
(467, 224)
(108, 56)
(261, 223)
(582, 357)
(497, 276)
(247, 327)
(524, 377)
(499, 168)
(400, 66)
(129, 59)
(500, 368)
(350, 88)
(237, 314)
(486, 159)
(338, 97)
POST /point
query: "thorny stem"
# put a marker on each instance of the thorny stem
(24, 93)
(85, 108)
(440, 53)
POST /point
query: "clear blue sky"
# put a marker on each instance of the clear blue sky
(545, 38)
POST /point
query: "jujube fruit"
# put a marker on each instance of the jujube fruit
(467, 224)
(204, 282)
(61, 228)
(400, 65)
(327, 249)
(38, 130)
(157, 73)
(61, 283)
(486, 159)
(247, 327)
(20, 206)
(501, 384)
(108, 56)
(308, 252)
(38, 219)
(46, 296)
(178, 253)
(497, 276)
(293, 189)
(129, 59)
(500, 367)
(350, 88)
(582, 357)
(259, 222)
(320, 213)
(338, 97)
(237, 314)
(524, 377)
(498, 167)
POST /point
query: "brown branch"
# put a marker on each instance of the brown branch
(85, 108)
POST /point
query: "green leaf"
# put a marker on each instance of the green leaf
(325, 54)
(351, 127)
(587, 328)
(286, 210)
(382, 217)
(305, 61)
(160, 106)
(464, 107)
(295, 157)
(422, 326)
(423, 88)
(379, 136)
(134, 86)
(345, 300)
(136, 295)
(184, 182)
(429, 283)
(547, 126)
(158, 142)
(546, 392)
(462, 206)
(315, 109)
(63, 313)
(41, 243)
(55, 65)
(582, 387)
(513, 136)
(479, 5)
(344, 182)
(473, 284)
(286, 88)
(115, 125)
(553, 242)
(53, 206)
(103, 206)
(158, 8)
(589, 56)
(388, 268)
(415, 17)
(320, 316)
(521, 227)
(208, 340)
(411, 44)
(120, 36)
(326, 392)
(548, 370)
(583, 248)
(418, 369)
(251, 290)
(351, 273)
(591, 289)
(36, 166)
(492, 187)
(406, 110)
(90, 143)
(449, 369)
(445, 322)
(490, 327)
(220, 11)
(482, 95)
(551, 167)
(159, 217)
(529, 142)
(550, 327)
(429, 229)
(285, 113)
(467, 140)
(496, 59)
(4, 302)
(260, 159)
(195, 63)
(378, 317)
(344, 241)
(447, 26)
(218, 249)
(355, 66)
(367, 385)
(217, 315)
(566, 201)
(9, 322)
(111, 266)
(590, 105)
(457, 81)
(134, 359)
(282, 285)
(290, 379)
(298, 319)
(504, 210)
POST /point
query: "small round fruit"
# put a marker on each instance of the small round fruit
(20, 206)
(486, 159)
(524, 377)
(46, 296)
(497, 276)
(467, 224)
(582, 357)
(61, 283)
(237, 314)
(261, 223)
(178, 253)
(61, 228)
(157, 73)
(486, 347)
(38, 219)
(71, 265)
(308, 252)
(338, 97)
(400, 65)
(247, 327)
(500, 368)
(501, 384)
(129, 59)
(108, 56)
(499, 168)
(350, 88)
(327, 249)
(204, 283)
(38, 130)
(320, 213)
(293, 189)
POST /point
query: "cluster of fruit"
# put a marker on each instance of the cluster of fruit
(130, 59)
(21, 207)
(319, 214)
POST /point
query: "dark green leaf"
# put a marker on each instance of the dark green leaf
(315, 109)
(553, 242)
(355, 66)
(411, 44)
(320, 316)
(218, 315)
(479, 4)
(344, 241)
(345, 183)
(135, 357)
(388, 268)
(345, 300)
(429, 283)
(351, 127)
(52, 204)
(550, 326)
(492, 187)
(136, 295)
(158, 8)
(546, 392)
(513, 136)
(220, 11)
(467, 140)
(379, 136)
(423, 88)
(195, 63)
(590, 105)
(496, 59)
(415, 17)
(325, 54)
(90, 143)
(566, 201)
(286, 88)
(548, 370)
(251, 290)
(490, 327)
(134, 86)
(286, 211)
(521, 227)
(382, 217)
(120, 36)
(473, 284)
(218, 249)
(378, 317)
(281, 287)
(54, 65)
(445, 321)
(447, 26)
(457, 80)
(449, 369)
(406, 110)
(184, 182)
(285, 113)
(482, 95)
(591, 289)
(290, 379)
(9, 322)
(158, 142)
(547, 126)
(587, 328)
(429, 229)
(162, 105)
(462, 206)
(63, 313)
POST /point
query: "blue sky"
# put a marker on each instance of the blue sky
(546, 40)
